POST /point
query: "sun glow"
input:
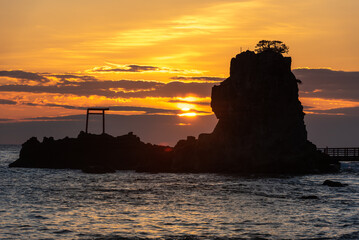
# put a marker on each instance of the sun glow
(186, 108)
(189, 99)
(188, 114)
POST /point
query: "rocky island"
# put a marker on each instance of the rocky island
(260, 130)
(260, 125)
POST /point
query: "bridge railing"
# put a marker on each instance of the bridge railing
(351, 153)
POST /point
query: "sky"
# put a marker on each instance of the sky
(154, 64)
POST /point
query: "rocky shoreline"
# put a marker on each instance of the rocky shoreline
(94, 153)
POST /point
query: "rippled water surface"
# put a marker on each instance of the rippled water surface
(69, 204)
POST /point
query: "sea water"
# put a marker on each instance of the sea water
(69, 204)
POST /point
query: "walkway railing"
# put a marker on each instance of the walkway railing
(342, 154)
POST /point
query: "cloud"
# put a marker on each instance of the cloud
(322, 89)
(100, 88)
(127, 68)
(349, 111)
(204, 103)
(201, 78)
(5, 119)
(323, 84)
(146, 110)
(5, 101)
(149, 110)
(59, 118)
(72, 76)
(329, 84)
(24, 76)
(55, 105)
(122, 88)
(135, 68)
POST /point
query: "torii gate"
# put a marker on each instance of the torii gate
(96, 112)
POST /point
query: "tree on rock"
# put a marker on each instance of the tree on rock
(275, 46)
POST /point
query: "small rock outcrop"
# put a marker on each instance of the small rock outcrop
(260, 123)
(331, 183)
(94, 154)
(309, 197)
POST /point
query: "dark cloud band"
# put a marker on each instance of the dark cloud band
(329, 84)
(146, 110)
(202, 78)
(24, 76)
(5, 101)
(128, 68)
(115, 89)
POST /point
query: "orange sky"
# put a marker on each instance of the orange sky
(47, 47)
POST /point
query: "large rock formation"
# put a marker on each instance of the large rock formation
(261, 123)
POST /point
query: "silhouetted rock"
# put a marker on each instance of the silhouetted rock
(261, 124)
(309, 197)
(94, 154)
(331, 183)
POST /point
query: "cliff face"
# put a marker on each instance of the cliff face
(261, 123)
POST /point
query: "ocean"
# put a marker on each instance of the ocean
(69, 204)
